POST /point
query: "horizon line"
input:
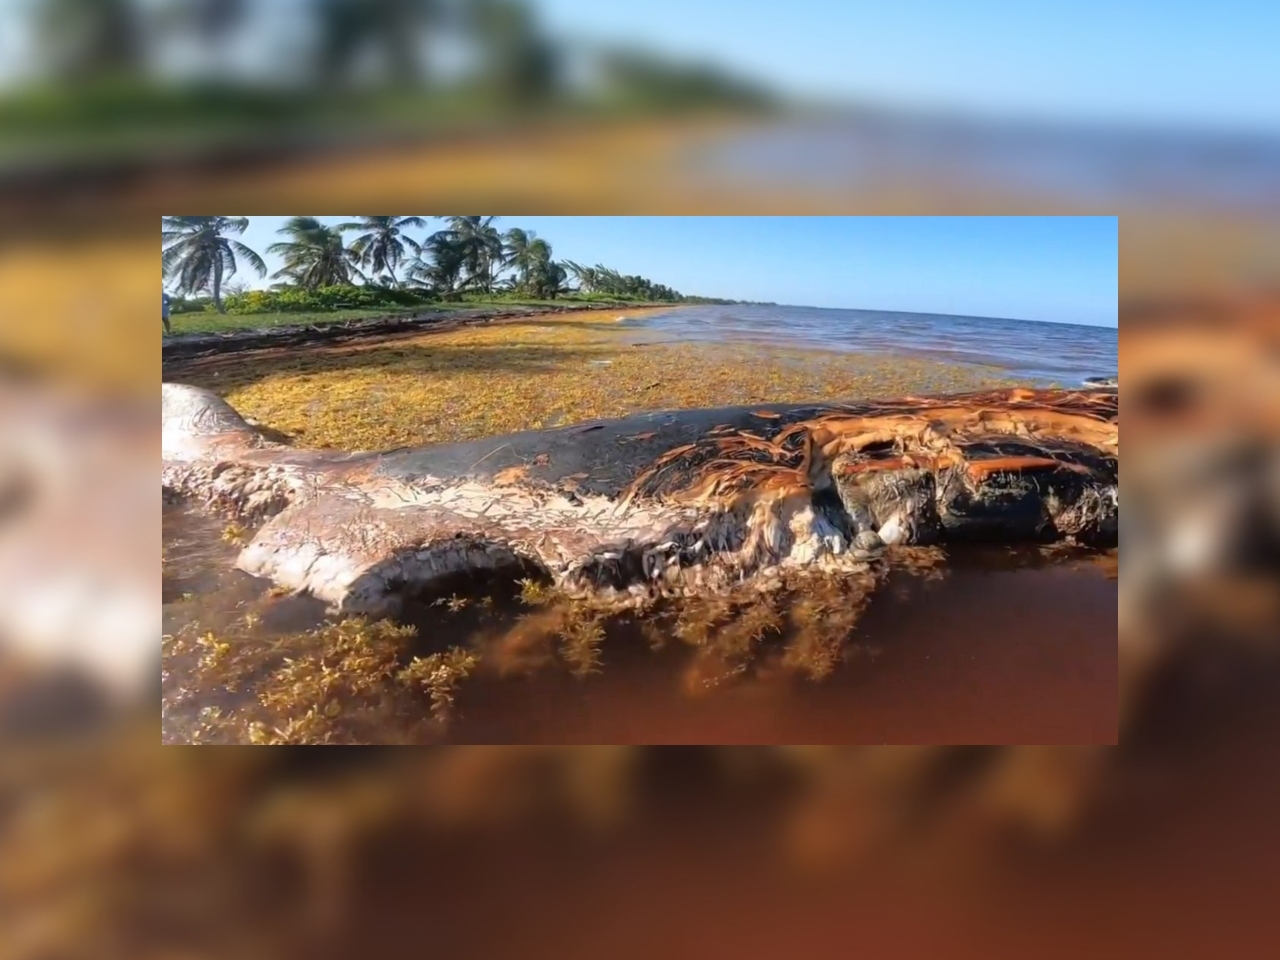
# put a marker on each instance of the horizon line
(914, 313)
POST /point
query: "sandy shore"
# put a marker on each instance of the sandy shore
(475, 379)
(237, 334)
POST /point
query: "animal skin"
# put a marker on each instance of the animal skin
(679, 502)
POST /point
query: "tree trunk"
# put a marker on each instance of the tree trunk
(217, 286)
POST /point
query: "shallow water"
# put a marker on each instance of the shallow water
(1039, 354)
(1002, 648)
(984, 655)
(203, 592)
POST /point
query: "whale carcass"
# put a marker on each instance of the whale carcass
(682, 501)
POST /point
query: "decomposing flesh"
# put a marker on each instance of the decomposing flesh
(683, 501)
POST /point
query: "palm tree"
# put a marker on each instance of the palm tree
(609, 281)
(528, 253)
(382, 245)
(392, 30)
(83, 39)
(517, 62)
(315, 256)
(441, 267)
(515, 250)
(587, 277)
(547, 279)
(197, 255)
(481, 247)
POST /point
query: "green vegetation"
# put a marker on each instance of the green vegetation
(536, 272)
(113, 80)
(384, 271)
(315, 255)
(600, 279)
(197, 255)
(293, 299)
(342, 296)
(469, 253)
(381, 246)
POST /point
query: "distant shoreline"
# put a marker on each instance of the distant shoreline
(180, 346)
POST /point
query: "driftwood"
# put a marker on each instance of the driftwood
(683, 501)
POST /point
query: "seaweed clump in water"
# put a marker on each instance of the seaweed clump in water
(361, 681)
(440, 674)
(353, 681)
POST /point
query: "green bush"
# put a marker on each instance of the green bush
(298, 300)
(189, 305)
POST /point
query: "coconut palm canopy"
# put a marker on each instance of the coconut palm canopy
(198, 255)
(481, 246)
(439, 264)
(469, 254)
(315, 254)
(383, 242)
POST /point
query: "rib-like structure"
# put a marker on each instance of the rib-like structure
(682, 501)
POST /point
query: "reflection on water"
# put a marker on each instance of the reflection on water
(981, 655)
(991, 646)
(1037, 353)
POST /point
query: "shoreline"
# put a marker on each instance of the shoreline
(180, 346)
(374, 328)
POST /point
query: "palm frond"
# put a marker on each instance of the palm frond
(250, 256)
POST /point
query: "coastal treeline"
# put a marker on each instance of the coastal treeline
(384, 261)
(136, 79)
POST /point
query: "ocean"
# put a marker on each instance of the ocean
(1038, 353)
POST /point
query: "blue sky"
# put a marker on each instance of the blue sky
(1195, 63)
(1059, 269)
(1206, 64)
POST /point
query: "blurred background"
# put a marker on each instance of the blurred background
(113, 112)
